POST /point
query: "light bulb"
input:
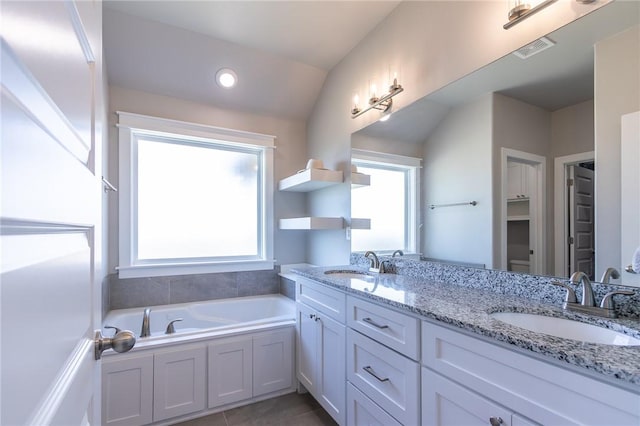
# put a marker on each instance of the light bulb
(356, 100)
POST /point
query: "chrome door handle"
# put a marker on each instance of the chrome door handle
(495, 421)
(369, 370)
(373, 323)
(122, 341)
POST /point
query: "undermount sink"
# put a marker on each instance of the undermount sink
(566, 328)
(350, 274)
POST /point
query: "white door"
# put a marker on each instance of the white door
(50, 301)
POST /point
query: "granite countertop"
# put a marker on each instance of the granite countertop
(470, 308)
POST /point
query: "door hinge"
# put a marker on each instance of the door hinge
(569, 182)
(570, 240)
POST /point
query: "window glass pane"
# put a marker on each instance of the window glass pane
(196, 201)
(384, 201)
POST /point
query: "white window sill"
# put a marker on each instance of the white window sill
(163, 270)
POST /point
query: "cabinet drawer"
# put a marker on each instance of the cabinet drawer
(541, 391)
(361, 411)
(388, 378)
(326, 300)
(393, 329)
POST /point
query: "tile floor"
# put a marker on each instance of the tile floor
(288, 410)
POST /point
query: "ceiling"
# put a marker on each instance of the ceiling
(555, 78)
(281, 50)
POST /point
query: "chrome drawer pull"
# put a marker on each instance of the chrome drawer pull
(369, 370)
(373, 323)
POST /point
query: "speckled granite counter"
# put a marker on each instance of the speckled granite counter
(469, 309)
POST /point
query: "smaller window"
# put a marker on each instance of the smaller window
(391, 202)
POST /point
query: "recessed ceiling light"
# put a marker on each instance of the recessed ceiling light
(226, 78)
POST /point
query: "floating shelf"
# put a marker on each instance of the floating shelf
(359, 180)
(517, 200)
(517, 218)
(359, 223)
(310, 180)
(312, 223)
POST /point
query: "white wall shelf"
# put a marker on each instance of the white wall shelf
(310, 180)
(359, 180)
(312, 223)
(360, 223)
(517, 218)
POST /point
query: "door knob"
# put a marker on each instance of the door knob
(122, 341)
(495, 421)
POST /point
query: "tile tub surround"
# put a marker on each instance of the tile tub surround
(142, 292)
(469, 309)
(532, 287)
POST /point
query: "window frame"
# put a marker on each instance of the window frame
(133, 127)
(412, 167)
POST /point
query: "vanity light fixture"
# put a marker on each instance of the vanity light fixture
(226, 78)
(383, 103)
(521, 9)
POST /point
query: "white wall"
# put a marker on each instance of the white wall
(457, 168)
(572, 130)
(290, 156)
(617, 92)
(429, 44)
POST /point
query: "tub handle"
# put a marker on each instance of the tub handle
(114, 328)
(170, 328)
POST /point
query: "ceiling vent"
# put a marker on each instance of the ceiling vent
(535, 47)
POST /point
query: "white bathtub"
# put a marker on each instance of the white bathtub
(223, 316)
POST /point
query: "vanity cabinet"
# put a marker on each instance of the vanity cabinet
(321, 345)
(492, 381)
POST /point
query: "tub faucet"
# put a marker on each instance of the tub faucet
(608, 274)
(587, 293)
(375, 263)
(146, 326)
(400, 252)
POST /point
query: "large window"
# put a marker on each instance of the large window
(390, 201)
(193, 198)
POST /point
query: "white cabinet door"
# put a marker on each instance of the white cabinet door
(321, 359)
(272, 361)
(230, 371)
(518, 180)
(331, 367)
(127, 391)
(445, 403)
(179, 382)
(307, 345)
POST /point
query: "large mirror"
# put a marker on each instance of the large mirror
(507, 160)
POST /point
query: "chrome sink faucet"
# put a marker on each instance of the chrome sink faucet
(374, 261)
(587, 292)
(587, 305)
(146, 323)
(608, 274)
